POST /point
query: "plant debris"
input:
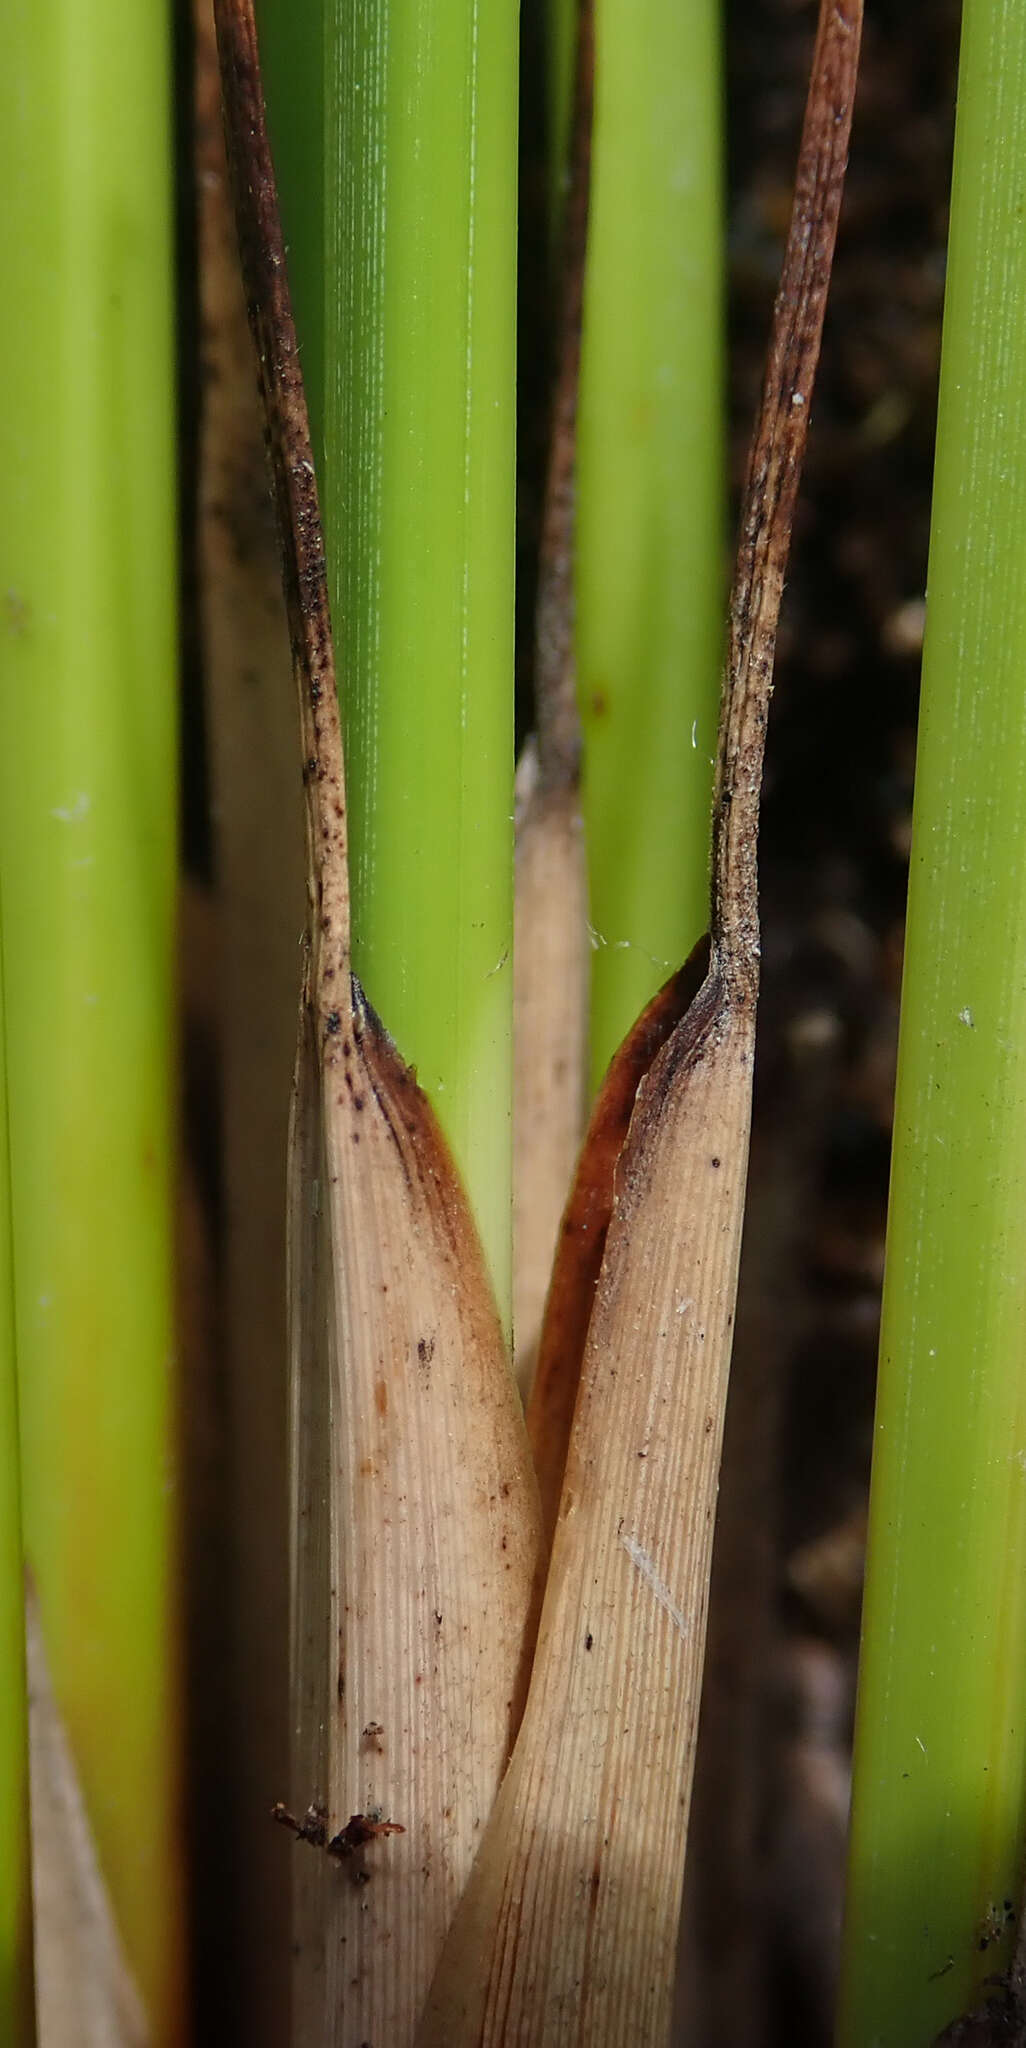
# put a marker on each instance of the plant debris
(359, 1829)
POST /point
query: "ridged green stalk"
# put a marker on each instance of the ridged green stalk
(650, 582)
(16, 1986)
(421, 112)
(419, 265)
(939, 1816)
(87, 808)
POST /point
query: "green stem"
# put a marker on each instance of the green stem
(419, 213)
(937, 1841)
(87, 806)
(418, 501)
(650, 586)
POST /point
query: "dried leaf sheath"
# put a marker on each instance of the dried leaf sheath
(575, 1898)
(567, 1933)
(585, 1227)
(434, 1534)
(550, 1007)
(311, 1644)
(417, 1536)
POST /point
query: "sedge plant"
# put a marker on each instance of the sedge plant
(397, 154)
(410, 1459)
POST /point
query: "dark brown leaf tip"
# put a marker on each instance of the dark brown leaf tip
(774, 471)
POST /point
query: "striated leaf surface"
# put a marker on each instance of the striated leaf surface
(584, 1229)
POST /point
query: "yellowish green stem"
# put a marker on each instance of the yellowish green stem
(938, 1838)
(87, 808)
(650, 584)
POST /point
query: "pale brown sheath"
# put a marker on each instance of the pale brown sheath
(416, 1523)
(584, 1229)
(567, 1932)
